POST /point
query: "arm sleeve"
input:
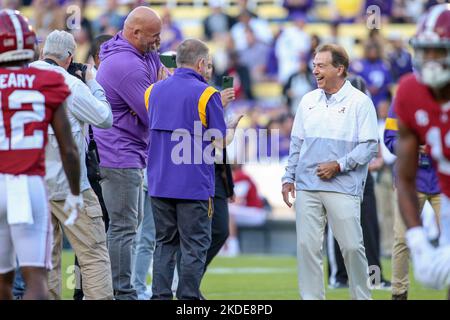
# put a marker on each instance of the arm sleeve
(297, 138)
(133, 88)
(214, 114)
(360, 155)
(391, 130)
(294, 153)
(88, 108)
(367, 147)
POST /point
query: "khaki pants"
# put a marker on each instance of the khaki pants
(88, 239)
(384, 193)
(400, 251)
(313, 208)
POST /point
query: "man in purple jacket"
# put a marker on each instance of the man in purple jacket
(129, 65)
(184, 111)
(428, 189)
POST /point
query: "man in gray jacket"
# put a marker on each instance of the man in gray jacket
(86, 105)
(335, 135)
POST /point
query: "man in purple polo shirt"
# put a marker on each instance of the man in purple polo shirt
(428, 189)
(129, 65)
(186, 116)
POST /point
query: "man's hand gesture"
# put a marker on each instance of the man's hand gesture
(328, 170)
(227, 96)
(162, 73)
(288, 187)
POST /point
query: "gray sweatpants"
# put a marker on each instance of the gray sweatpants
(343, 214)
(123, 193)
(185, 226)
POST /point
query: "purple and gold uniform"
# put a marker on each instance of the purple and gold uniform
(125, 74)
(181, 108)
(426, 179)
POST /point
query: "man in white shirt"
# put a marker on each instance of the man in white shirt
(291, 48)
(86, 105)
(335, 135)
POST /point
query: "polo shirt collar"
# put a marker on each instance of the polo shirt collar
(190, 73)
(342, 93)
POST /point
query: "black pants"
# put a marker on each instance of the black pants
(78, 292)
(219, 222)
(182, 226)
(371, 235)
(219, 225)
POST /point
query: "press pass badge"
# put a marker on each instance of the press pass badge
(18, 200)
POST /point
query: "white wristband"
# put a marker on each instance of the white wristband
(416, 238)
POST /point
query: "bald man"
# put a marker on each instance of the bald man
(129, 65)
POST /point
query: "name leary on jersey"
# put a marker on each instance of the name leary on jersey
(13, 80)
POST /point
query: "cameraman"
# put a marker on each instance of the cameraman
(86, 105)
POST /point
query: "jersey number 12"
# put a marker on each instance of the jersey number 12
(18, 140)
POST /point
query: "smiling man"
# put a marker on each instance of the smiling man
(333, 139)
(129, 65)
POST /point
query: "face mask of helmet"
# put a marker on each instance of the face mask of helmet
(434, 73)
(431, 45)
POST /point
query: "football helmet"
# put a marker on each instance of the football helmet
(17, 38)
(433, 32)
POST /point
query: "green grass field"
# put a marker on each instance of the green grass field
(263, 278)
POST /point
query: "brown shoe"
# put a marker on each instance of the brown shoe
(401, 296)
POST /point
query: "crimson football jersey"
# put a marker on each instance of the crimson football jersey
(252, 198)
(28, 100)
(430, 121)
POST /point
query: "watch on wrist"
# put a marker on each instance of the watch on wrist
(338, 167)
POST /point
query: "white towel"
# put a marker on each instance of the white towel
(18, 200)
